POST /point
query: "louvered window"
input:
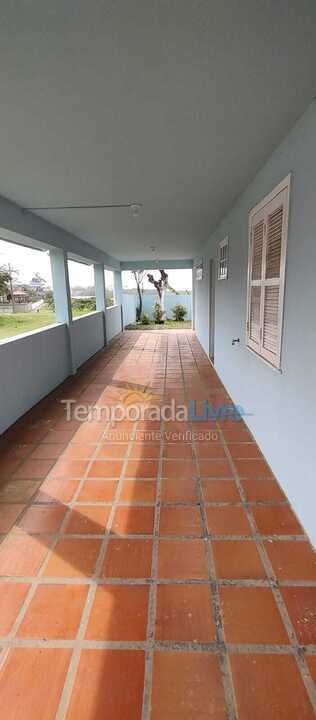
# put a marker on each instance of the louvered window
(268, 224)
(223, 260)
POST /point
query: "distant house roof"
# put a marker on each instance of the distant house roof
(19, 291)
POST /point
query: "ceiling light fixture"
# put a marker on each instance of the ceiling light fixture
(135, 209)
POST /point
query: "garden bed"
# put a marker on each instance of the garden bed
(167, 325)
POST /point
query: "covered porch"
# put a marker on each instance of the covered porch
(149, 568)
(157, 489)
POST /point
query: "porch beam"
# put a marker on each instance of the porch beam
(151, 264)
(25, 227)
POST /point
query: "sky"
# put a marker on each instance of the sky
(178, 279)
(27, 262)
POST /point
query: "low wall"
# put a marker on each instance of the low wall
(87, 337)
(150, 297)
(35, 363)
(31, 365)
(113, 321)
(8, 308)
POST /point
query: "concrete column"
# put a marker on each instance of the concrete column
(118, 292)
(193, 300)
(62, 296)
(99, 283)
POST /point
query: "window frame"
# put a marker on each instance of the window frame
(261, 211)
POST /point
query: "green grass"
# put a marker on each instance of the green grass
(78, 312)
(17, 323)
(167, 325)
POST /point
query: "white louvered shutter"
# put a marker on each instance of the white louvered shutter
(266, 273)
(255, 276)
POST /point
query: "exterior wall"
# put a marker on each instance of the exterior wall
(31, 365)
(281, 406)
(87, 337)
(113, 320)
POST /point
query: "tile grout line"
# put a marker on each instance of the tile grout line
(152, 605)
(160, 645)
(225, 670)
(225, 582)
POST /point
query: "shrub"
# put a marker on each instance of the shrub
(49, 300)
(83, 304)
(145, 319)
(158, 314)
(179, 312)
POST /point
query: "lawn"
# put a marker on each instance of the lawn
(17, 323)
(167, 325)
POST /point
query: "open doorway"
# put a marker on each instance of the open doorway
(211, 310)
(158, 299)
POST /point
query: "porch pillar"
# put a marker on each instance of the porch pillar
(62, 296)
(99, 283)
(118, 293)
(193, 300)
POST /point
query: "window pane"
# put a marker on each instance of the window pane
(82, 289)
(109, 288)
(26, 298)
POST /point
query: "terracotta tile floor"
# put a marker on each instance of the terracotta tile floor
(147, 573)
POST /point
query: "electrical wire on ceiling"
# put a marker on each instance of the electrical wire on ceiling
(134, 207)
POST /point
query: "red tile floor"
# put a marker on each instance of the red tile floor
(158, 576)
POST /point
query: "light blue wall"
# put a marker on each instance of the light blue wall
(113, 320)
(170, 300)
(87, 337)
(282, 406)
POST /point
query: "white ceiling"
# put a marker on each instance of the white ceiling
(171, 103)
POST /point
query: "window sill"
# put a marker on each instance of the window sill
(266, 362)
(36, 331)
(85, 315)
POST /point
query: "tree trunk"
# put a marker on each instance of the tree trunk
(140, 306)
(12, 296)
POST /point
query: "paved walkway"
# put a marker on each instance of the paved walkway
(163, 577)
